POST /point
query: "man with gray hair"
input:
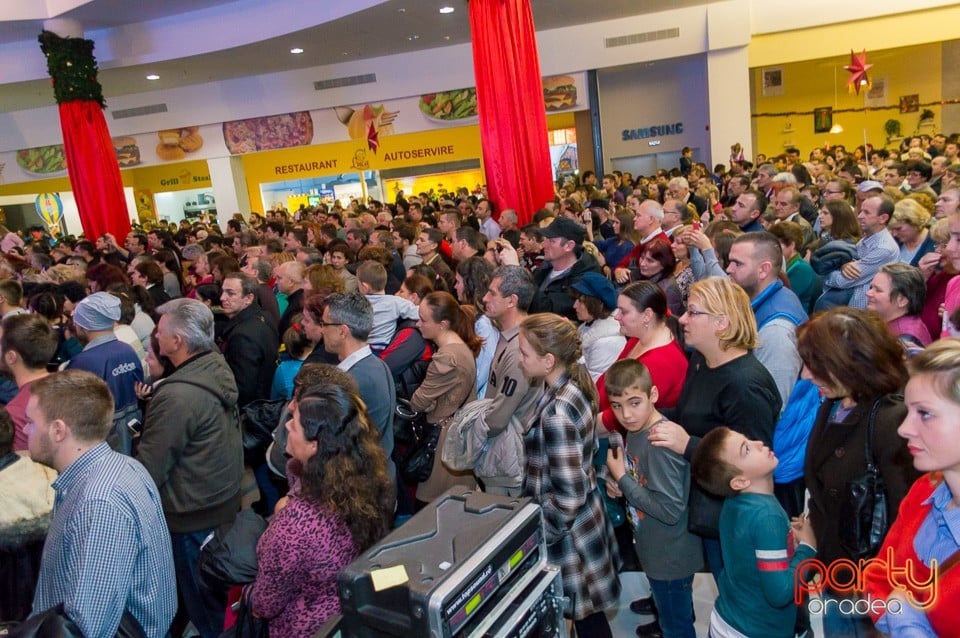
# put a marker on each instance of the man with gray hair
(346, 324)
(191, 446)
(508, 298)
(678, 188)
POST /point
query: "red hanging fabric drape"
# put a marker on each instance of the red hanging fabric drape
(91, 159)
(513, 121)
(94, 173)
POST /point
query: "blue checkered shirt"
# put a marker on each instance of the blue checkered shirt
(108, 548)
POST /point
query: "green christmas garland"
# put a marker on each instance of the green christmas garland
(72, 68)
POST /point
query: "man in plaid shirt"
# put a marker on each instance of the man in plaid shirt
(108, 550)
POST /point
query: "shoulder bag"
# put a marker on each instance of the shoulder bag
(865, 509)
(416, 463)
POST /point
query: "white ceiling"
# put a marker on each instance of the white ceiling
(237, 47)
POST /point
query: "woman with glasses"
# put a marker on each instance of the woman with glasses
(338, 476)
(725, 386)
(937, 270)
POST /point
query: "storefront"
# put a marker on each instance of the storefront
(358, 169)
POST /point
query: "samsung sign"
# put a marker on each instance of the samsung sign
(653, 131)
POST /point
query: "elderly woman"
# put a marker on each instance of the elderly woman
(725, 385)
(937, 270)
(338, 476)
(560, 443)
(896, 294)
(920, 533)
(909, 227)
(858, 366)
(595, 300)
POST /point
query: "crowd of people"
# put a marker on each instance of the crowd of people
(722, 353)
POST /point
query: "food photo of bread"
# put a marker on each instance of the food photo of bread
(559, 92)
(175, 143)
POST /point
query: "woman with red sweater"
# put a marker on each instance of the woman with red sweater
(928, 525)
(651, 332)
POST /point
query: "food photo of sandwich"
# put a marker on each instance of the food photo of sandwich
(559, 92)
(128, 153)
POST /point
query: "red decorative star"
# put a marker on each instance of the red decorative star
(858, 71)
(373, 138)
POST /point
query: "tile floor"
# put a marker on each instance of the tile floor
(634, 585)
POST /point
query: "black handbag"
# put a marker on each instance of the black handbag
(406, 421)
(230, 557)
(247, 625)
(866, 507)
(258, 419)
(416, 463)
(54, 623)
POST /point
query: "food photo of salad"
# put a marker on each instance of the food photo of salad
(448, 106)
(42, 161)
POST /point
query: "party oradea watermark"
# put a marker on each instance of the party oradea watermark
(815, 582)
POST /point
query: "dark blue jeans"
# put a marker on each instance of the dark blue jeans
(205, 608)
(674, 600)
(711, 551)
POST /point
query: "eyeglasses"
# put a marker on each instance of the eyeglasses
(324, 324)
(828, 192)
(697, 313)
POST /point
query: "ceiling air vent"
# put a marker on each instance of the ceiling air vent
(138, 111)
(337, 83)
(638, 38)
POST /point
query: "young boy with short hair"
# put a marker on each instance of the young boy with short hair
(656, 484)
(761, 547)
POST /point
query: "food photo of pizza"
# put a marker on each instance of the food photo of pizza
(268, 133)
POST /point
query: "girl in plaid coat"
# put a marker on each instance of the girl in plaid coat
(560, 443)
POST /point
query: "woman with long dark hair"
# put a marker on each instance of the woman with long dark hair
(653, 339)
(334, 512)
(449, 382)
(472, 280)
(560, 443)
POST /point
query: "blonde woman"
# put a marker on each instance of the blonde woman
(909, 227)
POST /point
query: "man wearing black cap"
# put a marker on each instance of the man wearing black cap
(564, 264)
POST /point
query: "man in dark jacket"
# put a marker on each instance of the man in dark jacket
(563, 267)
(192, 448)
(249, 343)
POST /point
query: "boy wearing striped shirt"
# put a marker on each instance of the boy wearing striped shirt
(761, 547)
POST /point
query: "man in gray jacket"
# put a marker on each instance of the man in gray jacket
(192, 448)
(508, 297)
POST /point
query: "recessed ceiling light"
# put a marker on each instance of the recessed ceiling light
(296, 50)
(153, 76)
(446, 37)
(447, 9)
(413, 37)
